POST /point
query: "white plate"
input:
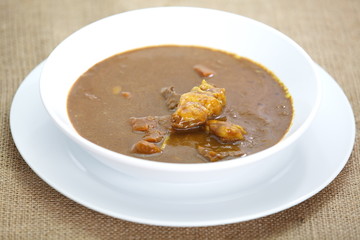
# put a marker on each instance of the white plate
(320, 156)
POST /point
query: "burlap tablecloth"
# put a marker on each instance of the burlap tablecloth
(329, 30)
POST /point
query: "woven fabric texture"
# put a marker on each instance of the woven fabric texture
(329, 30)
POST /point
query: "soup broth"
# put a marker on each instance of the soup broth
(108, 99)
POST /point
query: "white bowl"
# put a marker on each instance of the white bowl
(185, 26)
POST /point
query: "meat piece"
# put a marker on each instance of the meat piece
(155, 129)
(204, 71)
(226, 131)
(141, 124)
(214, 155)
(189, 115)
(208, 101)
(154, 136)
(171, 97)
(145, 124)
(145, 147)
(195, 107)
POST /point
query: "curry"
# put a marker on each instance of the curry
(181, 104)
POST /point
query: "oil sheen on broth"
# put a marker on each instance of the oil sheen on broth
(106, 100)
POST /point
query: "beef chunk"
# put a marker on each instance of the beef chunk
(155, 129)
(145, 124)
(154, 136)
(226, 131)
(145, 147)
(171, 97)
(204, 71)
(214, 155)
(196, 106)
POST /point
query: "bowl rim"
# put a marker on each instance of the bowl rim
(189, 167)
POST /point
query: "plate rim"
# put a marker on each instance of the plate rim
(294, 202)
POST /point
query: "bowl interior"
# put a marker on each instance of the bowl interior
(180, 26)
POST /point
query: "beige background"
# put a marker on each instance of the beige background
(329, 30)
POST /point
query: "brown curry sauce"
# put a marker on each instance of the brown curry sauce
(129, 85)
